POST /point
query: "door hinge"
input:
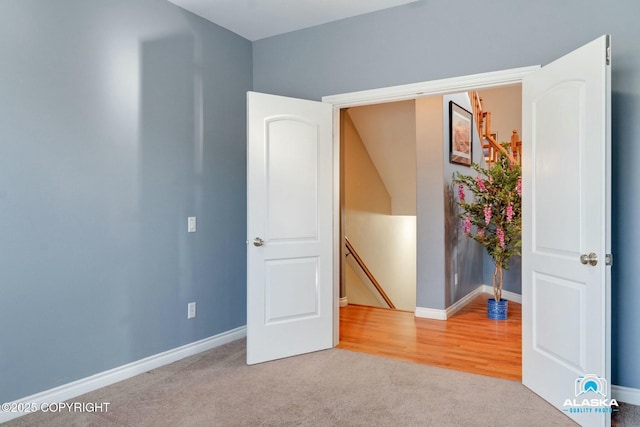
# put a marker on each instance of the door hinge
(608, 50)
(608, 259)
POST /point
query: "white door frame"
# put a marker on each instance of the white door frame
(392, 94)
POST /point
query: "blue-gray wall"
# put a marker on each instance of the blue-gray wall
(464, 255)
(429, 40)
(118, 119)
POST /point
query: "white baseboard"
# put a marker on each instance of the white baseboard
(430, 313)
(438, 314)
(343, 302)
(626, 394)
(434, 313)
(458, 305)
(511, 296)
(103, 379)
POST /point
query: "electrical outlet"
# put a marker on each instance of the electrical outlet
(191, 310)
(455, 279)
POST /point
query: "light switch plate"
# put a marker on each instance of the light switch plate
(191, 224)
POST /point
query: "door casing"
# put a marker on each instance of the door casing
(390, 94)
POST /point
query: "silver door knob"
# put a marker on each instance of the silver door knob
(592, 259)
(258, 242)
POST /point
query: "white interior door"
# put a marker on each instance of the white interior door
(289, 227)
(566, 179)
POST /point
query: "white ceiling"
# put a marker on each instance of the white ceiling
(258, 19)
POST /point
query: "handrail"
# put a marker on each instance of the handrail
(368, 273)
(516, 146)
(497, 146)
(478, 113)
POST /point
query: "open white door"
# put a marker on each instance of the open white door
(289, 227)
(566, 190)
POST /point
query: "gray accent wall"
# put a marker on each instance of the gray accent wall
(118, 120)
(464, 255)
(442, 249)
(430, 40)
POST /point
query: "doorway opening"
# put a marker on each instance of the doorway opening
(378, 198)
(412, 328)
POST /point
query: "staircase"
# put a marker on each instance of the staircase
(368, 279)
(490, 147)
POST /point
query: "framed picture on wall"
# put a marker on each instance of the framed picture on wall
(460, 135)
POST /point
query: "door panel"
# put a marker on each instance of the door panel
(292, 145)
(559, 152)
(292, 289)
(568, 300)
(566, 304)
(290, 209)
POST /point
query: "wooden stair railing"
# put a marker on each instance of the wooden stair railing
(478, 113)
(516, 146)
(351, 251)
(493, 147)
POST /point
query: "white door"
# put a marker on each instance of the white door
(289, 227)
(566, 183)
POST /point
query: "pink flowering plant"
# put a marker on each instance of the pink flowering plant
(491, 210)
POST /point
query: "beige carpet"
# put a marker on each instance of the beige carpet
(329, 388)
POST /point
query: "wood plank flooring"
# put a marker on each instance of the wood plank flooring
(468, 341)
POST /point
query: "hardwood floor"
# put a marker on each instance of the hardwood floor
(468, 341)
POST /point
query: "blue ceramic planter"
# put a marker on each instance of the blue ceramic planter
(497, 310)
